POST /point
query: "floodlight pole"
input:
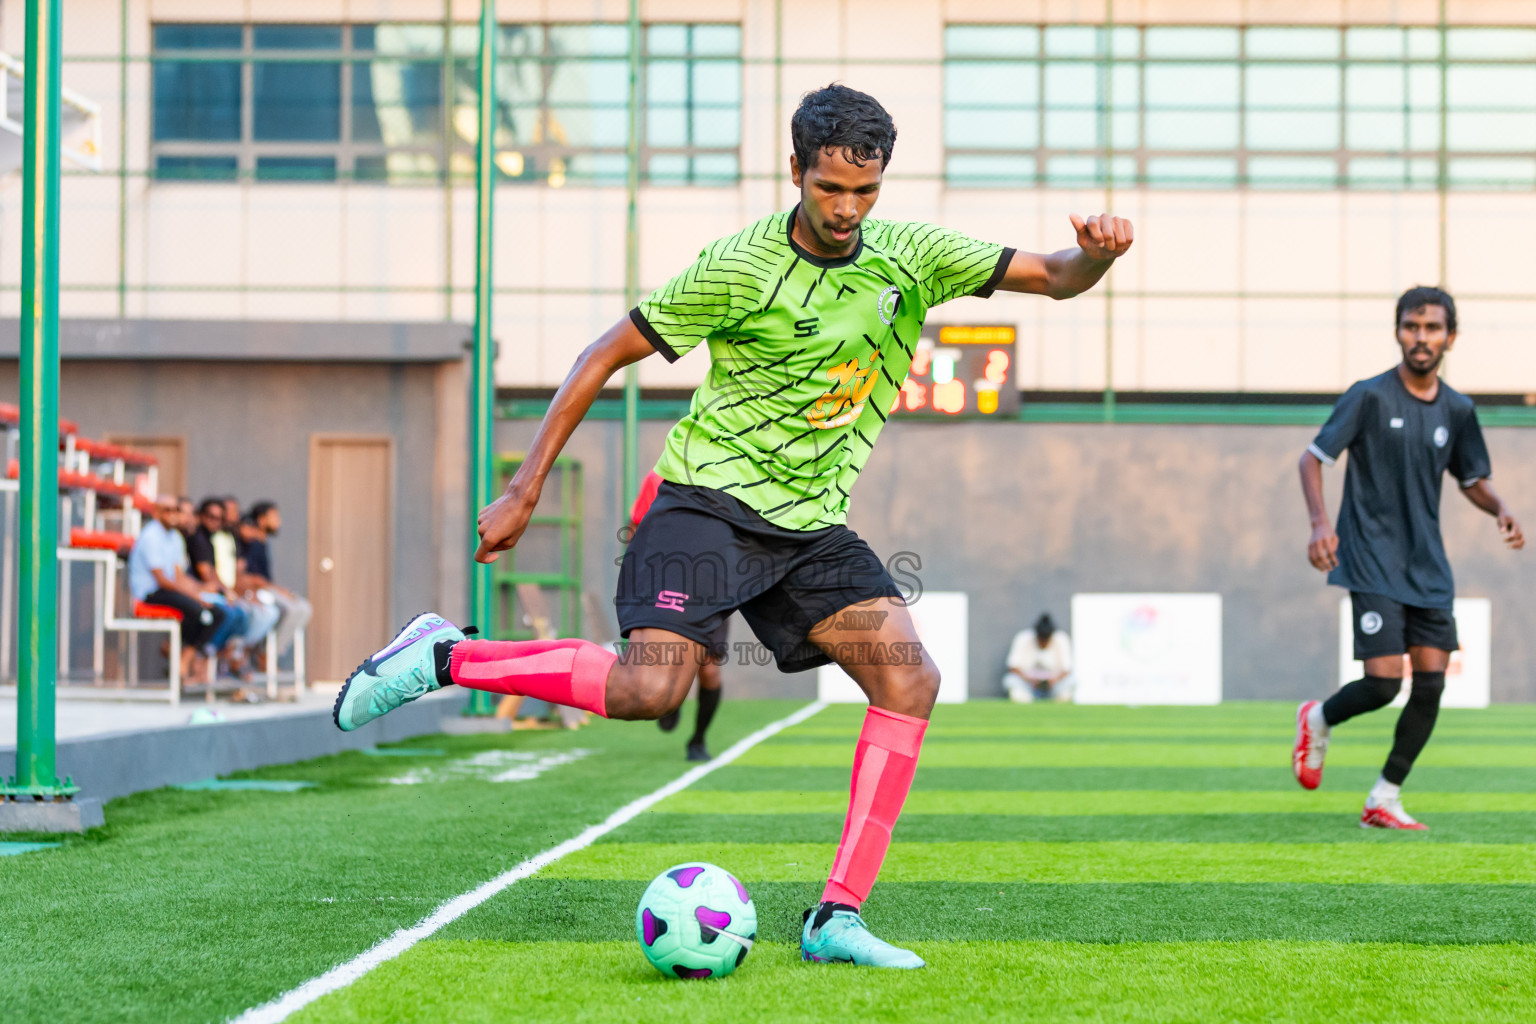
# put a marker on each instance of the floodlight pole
(483, 358)
(632, 262)
(37, 661)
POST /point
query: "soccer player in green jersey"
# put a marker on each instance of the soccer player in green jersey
(810, 317)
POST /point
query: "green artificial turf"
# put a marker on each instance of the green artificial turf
(469, 982)
(192, 906)
(1020, 753)
(1400, 859)
(1055, 863)
(1080, 802)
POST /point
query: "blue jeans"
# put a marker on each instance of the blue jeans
(262, 617)
(235, 622)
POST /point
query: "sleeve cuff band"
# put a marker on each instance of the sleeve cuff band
(1322, 456)
(1003, 259)
(657, 341)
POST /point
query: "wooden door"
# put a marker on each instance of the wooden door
(351, 535)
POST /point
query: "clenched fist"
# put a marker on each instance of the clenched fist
(1103, 237)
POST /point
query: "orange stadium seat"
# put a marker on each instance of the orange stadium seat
(155, 611)
(103, 539)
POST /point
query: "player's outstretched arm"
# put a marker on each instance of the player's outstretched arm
(1100, 241)
(502, 522)
(1486, 498)
(1323, 548)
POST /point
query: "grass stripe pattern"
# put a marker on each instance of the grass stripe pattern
(1060, 863)
(1055, 863)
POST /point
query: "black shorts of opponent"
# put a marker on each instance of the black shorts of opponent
(1384, 627)
(700, 554)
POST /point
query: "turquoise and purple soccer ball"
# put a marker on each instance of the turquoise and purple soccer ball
(696, 921)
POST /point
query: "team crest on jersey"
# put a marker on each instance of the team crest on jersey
(887, 304)
(851, 384)
(1441, 436)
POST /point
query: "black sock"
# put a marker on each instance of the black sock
(1414, 725)
(709, 700)
(1360, 696)
(442, 652)
(824, 912)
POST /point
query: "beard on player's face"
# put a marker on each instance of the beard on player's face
(1423, 355)
(1423, 358)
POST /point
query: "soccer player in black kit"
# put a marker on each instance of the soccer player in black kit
(1403, 430)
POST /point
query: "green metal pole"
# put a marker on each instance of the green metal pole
(779, 127)
(447, 158)
(632, 262)
(482, 371)
(1107, 145)
(39, 578)
(122, 162)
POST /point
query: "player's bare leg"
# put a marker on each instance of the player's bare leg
(654, 675)
(879, 648)
(650, 678)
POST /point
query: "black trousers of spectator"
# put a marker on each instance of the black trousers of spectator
(197, 622)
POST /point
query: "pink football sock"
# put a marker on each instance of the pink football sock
(569, 672)
(883, 765)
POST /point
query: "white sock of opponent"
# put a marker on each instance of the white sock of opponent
(1383, 792)
(1315, 720)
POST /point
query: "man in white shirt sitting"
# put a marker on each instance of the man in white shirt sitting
(1040, 664)
(157, 574)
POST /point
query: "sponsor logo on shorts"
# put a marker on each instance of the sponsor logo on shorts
(1370, 623)
(1441, 436)
(671, 600)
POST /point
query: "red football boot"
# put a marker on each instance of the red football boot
(1389, 814)
(1311, 748)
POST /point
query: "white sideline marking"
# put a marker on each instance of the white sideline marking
(341, 976)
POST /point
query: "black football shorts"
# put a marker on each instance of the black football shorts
(1384, 627)
(700, 554)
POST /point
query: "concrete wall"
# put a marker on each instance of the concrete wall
(247, 428)
(1023, 516)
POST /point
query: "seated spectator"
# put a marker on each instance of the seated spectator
(1040, 664)
(186, 518)
(260, 526)
(229, 639)
(229, 563)
(157, 574)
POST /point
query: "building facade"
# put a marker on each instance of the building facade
(1290, 166)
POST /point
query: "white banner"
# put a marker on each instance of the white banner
(1468, 678)
(1147, 648)
(942, 620)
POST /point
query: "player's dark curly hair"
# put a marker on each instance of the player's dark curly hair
(838, 117)
(1425, 295)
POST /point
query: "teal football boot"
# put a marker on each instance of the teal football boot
(405, 669)
(835, 933)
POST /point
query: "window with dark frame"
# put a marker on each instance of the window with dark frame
(1216, 107)
(380, 103)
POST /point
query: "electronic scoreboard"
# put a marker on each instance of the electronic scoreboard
(961, 370)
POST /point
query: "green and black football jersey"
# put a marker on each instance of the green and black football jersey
(806, 355)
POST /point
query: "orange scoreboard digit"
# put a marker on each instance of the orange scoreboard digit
(961, 370)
